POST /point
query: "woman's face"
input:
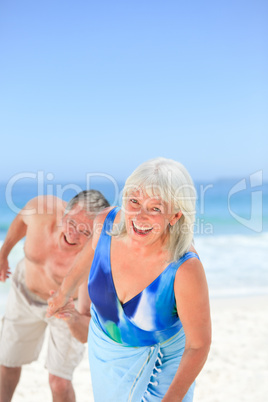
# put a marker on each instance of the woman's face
(148, 218)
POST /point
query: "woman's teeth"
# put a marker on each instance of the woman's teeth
(140, 229)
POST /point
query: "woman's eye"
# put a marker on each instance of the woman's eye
(155, 209)
(134, 201)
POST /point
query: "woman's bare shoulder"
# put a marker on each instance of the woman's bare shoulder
(191, 266)
(190, 277)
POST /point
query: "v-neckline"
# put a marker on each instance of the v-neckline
(138, 294)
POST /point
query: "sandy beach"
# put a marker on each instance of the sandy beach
(236, 371)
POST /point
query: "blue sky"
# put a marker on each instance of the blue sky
(101, 86)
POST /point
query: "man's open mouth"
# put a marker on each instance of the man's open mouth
(66, 241)
(140, 231)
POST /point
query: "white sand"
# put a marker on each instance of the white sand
(237, 367)
(236, 371)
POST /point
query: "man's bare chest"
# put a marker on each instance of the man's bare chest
(44, 250)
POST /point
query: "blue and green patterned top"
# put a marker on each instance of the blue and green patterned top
(148, 318)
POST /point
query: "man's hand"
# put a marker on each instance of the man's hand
(56, 303)
(78, 323)
(5, 271)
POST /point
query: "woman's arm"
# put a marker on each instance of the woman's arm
(76, 276)
(192, 300)
(80, 269)
(78, 318)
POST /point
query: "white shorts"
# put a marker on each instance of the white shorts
(23, 331)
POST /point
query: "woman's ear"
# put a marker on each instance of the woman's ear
(175, 218)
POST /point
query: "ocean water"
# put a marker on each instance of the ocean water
(231, 229)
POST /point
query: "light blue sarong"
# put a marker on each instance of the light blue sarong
(137, 374)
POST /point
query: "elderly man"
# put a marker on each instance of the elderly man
(55, 232)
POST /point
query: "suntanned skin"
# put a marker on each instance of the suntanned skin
(52, 242)
(51, 245)
(136, 261)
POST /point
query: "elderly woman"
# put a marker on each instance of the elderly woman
(150, 328)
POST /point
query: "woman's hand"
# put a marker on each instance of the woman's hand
(76, 319)
(57, 303)
(66, 312)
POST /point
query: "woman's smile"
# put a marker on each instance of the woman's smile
(141, 230)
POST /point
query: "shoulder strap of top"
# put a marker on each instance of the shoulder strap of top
(105, 237)
(109, 220)
(187, 256)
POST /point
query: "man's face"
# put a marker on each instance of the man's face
(77, 227)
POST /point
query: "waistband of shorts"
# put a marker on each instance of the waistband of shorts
(18, 278)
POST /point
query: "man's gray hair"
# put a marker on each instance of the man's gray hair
(91, 201)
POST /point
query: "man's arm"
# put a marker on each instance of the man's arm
(16, 232)
(78, 319)
(36, 207)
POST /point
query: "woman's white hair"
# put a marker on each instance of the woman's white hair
(170, 181)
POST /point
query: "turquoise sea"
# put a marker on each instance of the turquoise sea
(231, 230)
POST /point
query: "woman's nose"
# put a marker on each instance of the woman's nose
(143, 212)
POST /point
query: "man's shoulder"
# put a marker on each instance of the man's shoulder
(44, 207)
